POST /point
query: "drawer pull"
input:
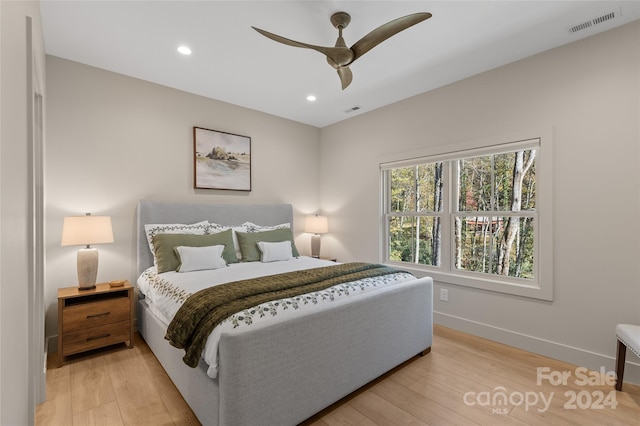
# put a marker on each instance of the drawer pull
(102, 336)
(98, 315)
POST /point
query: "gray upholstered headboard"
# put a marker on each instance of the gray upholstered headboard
(225, 214)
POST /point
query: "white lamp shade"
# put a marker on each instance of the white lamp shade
(316, 225)
(86, 230)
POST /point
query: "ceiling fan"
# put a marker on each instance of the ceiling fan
(340, 56)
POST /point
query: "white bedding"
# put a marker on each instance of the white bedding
(166, 292)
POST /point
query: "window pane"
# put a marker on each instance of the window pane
(501, 182)
(403, 184)
(514, 187)
(500, 245)
(429, 187)
(428, 250)
(514, 247)
(529, 182)
(503, 187)
(405, 247)
(473, 243)
(417, 188)
(474, 184)
(401, 239)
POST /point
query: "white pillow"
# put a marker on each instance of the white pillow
(272, 252)
(199, 228)
(200, 258)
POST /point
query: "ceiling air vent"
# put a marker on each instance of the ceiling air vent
(352, 109)
(595, 21)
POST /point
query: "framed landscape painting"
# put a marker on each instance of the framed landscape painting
(221, 160)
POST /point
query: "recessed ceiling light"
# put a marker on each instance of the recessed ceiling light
(184, 50)
(311, 98)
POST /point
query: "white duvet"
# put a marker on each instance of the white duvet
(165, 293)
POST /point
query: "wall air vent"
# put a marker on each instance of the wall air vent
(595, 21)
(352, 109)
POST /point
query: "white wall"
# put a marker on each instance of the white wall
(588, 93)
(17, 400)
(112, 140)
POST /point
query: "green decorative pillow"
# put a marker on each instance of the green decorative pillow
(166, 257)
(249, 242)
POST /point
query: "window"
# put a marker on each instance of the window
(472, 217)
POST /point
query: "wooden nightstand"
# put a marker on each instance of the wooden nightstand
(92, 319)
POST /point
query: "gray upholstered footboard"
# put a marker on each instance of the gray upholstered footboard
(287, 372)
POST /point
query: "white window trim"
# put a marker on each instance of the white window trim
(543, 287)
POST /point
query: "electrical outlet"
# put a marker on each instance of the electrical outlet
(444, 294)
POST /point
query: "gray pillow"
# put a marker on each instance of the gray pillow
(248, 242)
(166, 257)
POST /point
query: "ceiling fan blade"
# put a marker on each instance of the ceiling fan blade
(330, 52)
(385, 31)
(345, 76)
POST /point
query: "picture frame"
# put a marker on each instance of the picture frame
(221, 160)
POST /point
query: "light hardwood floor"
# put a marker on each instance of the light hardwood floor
(460, 382)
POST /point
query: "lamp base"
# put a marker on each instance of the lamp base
(87, 268)
(315, 245)
(86, 288)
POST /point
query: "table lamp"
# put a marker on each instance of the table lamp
(316, 225)
(87, 230)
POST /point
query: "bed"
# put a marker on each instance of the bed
(283, 372)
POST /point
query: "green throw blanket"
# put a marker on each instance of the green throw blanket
(202, 311)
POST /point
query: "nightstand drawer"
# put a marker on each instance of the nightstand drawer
(92, 314)
(96, 337)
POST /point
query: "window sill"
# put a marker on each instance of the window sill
(514, 287)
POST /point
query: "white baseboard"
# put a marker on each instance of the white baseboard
(555, 350)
